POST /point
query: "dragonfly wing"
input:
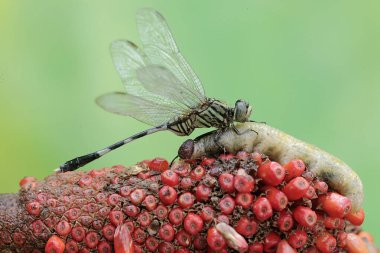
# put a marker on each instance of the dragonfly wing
(159, 80)
(161, 49)
(127, 58)
(146, 111)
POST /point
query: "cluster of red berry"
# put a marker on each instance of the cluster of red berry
(243, 202)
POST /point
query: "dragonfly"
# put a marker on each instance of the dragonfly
(161, 89)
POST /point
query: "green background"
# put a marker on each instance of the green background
(310, 68)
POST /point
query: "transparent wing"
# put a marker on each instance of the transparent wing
(128, 59)
(159, 80)
(146, 111)
(161, 49)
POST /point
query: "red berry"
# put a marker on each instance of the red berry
(27, 181)
(176, 216)
(71, 246)
(227, 205)
(136, 249)
(92, 239)
(137, 196)
(63, 228)
(246, 227)
(33, 208)
(200, 242)
(193, 223)
(242, 155)
(145, 163)
(73, 214)
(168, 195)
(226, 182)
(293, 169)
(150, 202)
(131, 210)
(186, 183)
(215, 240)
(321, 187)
(169, 177)
(144, 218)
(151, 244)
(305, 216)
(183, 238)
(310, 193)
(297, 238)
(129, 225)
(285, 221)
(257, 158)
(158, 164)
(277, 198)
(271, 241)
(116, 217)
(166, 232)
(181, 168)
(139, 235)
(197, 173)
(332, 223)
(85, 180)
(202, 192)
(161, 212)
(103, 247)
(226, 157)
(186, 200)
(207, 213)
(19, 238)
(113, 199)
(145, 174)
(262, 209)
(54, 245)
(326, 243)
(108, 232)
(223, 218)
(272, 173)
(165, 247)
(207, 161)
(38, 226)
(296, 188)
(341, 239)
(243, 182)
(312, 249)
(78, 233)
(356, 218)
(255, 247)
(284, 247)
(125, 191)
(244, 199)
(335, 205)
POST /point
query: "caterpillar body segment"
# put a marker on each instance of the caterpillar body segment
(280, 147)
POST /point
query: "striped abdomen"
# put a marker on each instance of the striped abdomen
(181, 126)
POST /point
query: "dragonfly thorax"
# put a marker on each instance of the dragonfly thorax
(242, 111)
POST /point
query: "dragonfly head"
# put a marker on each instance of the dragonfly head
(242, 111)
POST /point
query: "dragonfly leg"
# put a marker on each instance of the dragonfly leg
(261, 122)
(171, 163)
(218, 134)
(245, 131)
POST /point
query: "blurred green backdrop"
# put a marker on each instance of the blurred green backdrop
(309, 68)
